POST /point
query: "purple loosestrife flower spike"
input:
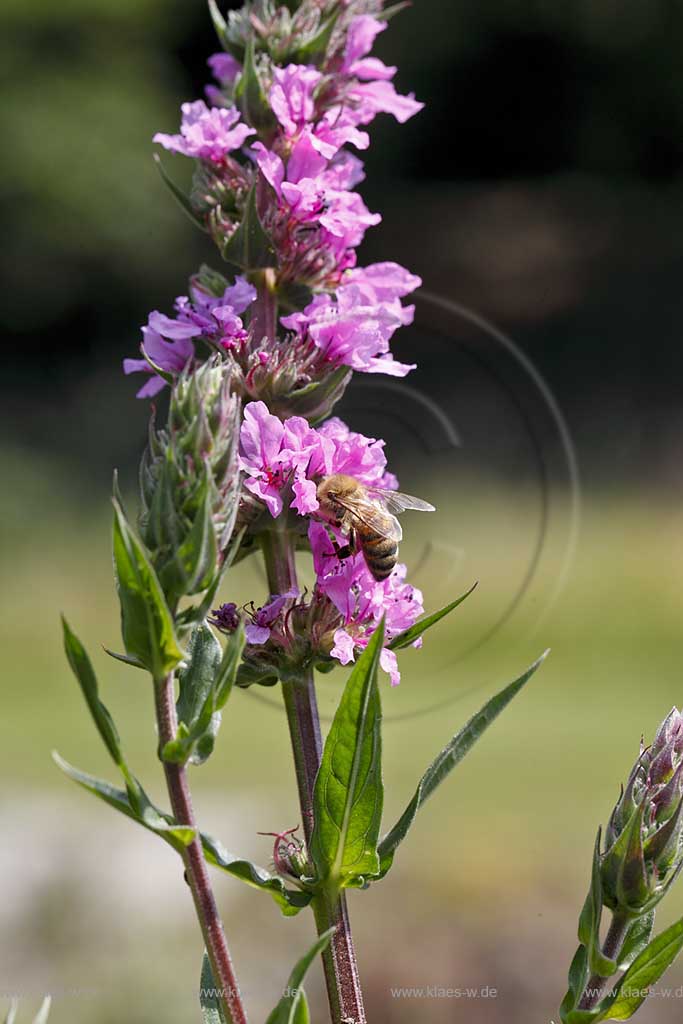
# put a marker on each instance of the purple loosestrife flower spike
(644, 837)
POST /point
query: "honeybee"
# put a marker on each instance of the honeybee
(367, 515)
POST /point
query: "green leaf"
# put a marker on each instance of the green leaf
(196, 699)
(180, 197)
(227, 670)
(637, 938)
(450, 756)
(83, 670)
(290, 901)
(44, 1011)
(146, 622)
(249, 247)
(348, 793)
(578, 977)
(146, 814)
(409, 636)
(589, 922)
(647, 968)
(196, 679)
(212, 1012)
(292, 1008)
(132, 662)
(250, 97)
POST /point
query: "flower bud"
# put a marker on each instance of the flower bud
(189, 481)
(644, 837)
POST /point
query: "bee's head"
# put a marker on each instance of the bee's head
(331, 490)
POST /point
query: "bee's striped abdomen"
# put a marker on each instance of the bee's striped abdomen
(380, 552)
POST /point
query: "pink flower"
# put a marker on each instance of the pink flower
(292, 96)
(372, 93)
(362, 601)
(168, 341)
(275, 454)
(355, 330)
(259, 630)
(171, 356)
(207, 133)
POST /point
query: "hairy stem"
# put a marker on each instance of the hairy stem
(339, 959)
(196, 872)
(614, 940)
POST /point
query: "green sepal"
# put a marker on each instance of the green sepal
(409, 636)
(315, 401)
(294, 296)
(290, 901)
(390, 12)
(146, 621)
(314, 49)
(249, 247)
(348, 793)
(260, 675)
(450, 756)
(293, 1008)
(212, 1011)
(180, 197)
(250, 97)
(87, 680)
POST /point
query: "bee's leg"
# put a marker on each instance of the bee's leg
(347, 550)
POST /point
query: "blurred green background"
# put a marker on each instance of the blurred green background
(541, 188)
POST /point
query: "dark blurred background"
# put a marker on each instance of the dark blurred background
(542, 189)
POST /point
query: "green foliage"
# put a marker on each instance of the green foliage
(450, 756)
(206, 683)
(181, 198)
(83, 670)
(212, 1011)
(646, 969)
(146, 621)
(409, 636)
(348, 792)
(249, 247)
(293, 1008)
(151, 818)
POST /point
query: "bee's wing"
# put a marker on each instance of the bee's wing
(374, 515)
(396, 502)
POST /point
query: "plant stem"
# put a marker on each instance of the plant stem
(196, 872)
(264, 307)
(339, 959)
(614, 940)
